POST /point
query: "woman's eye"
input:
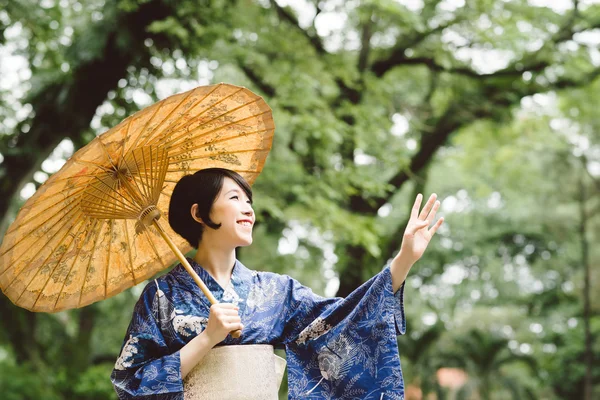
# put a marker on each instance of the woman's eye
(235, 197)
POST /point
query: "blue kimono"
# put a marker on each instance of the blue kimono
(336, 348)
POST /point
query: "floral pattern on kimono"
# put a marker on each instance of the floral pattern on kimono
(336, 348)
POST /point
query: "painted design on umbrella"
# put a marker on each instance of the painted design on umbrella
(91, 230)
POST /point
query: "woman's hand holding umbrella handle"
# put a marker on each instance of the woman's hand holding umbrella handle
(222, 320)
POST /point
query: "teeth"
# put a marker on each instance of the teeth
(245, 223)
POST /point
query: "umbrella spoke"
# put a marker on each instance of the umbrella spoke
(35, 229)
(221, 153)
(108, 252)
(96, 204)
(173, 124)
(92, 164)
(190, 149)
(90, 232)
(176, 179)
(145, 184)
(66, 251)
(106, 153)
(127, 136)
(140, 131)
(87, 269)
(20, 224)
(166, 118)
(172, 142)
(52, 257)
(38, 269)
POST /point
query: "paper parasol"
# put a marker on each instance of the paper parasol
(91, 230)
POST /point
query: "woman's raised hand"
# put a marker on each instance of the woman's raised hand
(418, 234)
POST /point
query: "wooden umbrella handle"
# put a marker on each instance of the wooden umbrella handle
(235, 334)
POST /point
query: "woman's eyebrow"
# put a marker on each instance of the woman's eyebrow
(232, 190)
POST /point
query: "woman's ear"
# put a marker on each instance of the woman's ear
(195, 214)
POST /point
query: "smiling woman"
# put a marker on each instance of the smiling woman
(335, 347)
(209, 191)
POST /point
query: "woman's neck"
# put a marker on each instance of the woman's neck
(216, 261)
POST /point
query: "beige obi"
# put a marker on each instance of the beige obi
(237, 372)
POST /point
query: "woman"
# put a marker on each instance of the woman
(336, 348)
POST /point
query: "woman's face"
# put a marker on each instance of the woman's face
(231, 209)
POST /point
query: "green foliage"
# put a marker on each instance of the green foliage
(22, 382)
(93, 384)
(490, 105)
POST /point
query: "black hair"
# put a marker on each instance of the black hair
(201, 188)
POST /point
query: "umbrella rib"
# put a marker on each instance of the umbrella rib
(91, 164)
(175, 108)
(78, 176)
(158, 107)
(14, 260)
(109, 190)
(188, 123)
(177, 180)
(99, 205)
(149, 177)
(30, 233)
(138, 195)
(88, 267)
(55, 267)
(216, 154)
(126, 137)
(112, 163)
(158, 159)
(112, 225)
(129, 251)
(22, 223)
(87, 236)
(162, 173)
(143, 184)
(36, 272)
(216, 141)
(172, 142)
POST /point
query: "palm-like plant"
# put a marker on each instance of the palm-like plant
(418, 350)
(483, 357)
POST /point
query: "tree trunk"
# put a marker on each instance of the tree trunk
(65, 109)
(352, 276)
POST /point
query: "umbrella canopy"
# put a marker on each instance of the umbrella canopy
(90, 232)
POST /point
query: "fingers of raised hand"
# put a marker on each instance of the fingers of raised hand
(416, 206)
(433, 211)
(417, 226)
(428, 206)
(435, 227)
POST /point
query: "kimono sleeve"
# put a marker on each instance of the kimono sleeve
(350, 349)
(397, 304)
(311, 315)
(146, 369)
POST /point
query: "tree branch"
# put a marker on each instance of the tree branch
(398, 55)
(286, 15)
(64, 109)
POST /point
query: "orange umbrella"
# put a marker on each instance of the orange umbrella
(92, 230)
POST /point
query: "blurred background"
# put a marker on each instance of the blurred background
(490, 104)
